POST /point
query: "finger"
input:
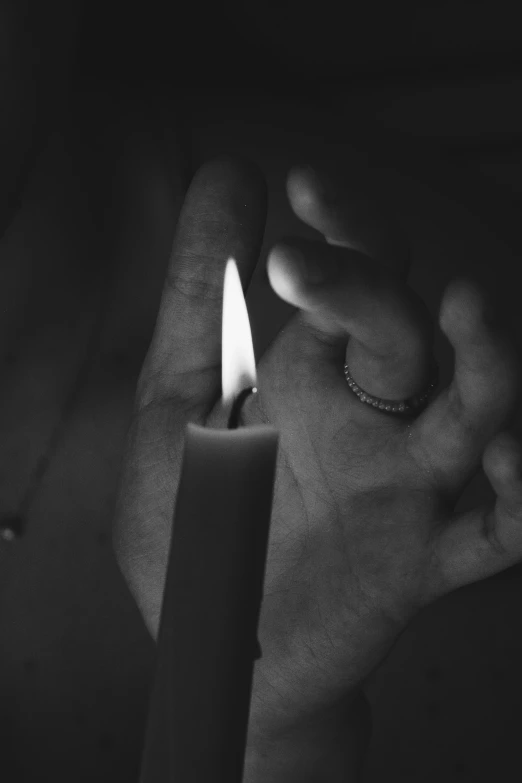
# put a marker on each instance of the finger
(344, 210)
(223, 215)
(453, 431)
(479, 543)
(388, 326)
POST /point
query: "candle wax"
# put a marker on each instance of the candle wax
(207, 643)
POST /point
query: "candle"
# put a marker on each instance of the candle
(207, 642)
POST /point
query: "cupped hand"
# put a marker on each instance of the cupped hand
(363, 530)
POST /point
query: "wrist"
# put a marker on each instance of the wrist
(326, 750)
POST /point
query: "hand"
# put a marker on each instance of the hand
(363, 532)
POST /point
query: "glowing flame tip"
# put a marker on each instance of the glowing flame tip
(238, 365)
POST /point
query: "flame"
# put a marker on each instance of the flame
(238, 364)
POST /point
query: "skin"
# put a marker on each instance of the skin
(29, 99)
(363, 532)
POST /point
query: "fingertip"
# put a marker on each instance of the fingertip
(299, 191)
(309, 190)
(284, 272)
(232, 170)
(461, 308)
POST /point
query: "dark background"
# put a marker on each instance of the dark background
(402, 43)
(431, 87)
(450, 72)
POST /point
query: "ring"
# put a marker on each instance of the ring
(408, 407)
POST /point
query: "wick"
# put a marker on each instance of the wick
(235, 413)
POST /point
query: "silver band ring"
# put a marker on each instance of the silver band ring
(407, 407)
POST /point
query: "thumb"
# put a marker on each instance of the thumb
(223, 215)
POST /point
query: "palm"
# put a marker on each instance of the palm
(350, 534)
(362, 533)
(349, 543)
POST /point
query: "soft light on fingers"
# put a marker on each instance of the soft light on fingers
(285, 275)
(454, 431)
(293, 277)
(361, 310)
(341, 293)
(294, 281)
(223, 216)
(479, 543)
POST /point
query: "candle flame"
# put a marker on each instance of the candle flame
(238, 364)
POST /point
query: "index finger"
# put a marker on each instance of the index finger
(223, 215)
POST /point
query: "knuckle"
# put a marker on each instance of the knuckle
(193, 276)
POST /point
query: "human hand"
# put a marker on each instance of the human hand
(363, 532)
